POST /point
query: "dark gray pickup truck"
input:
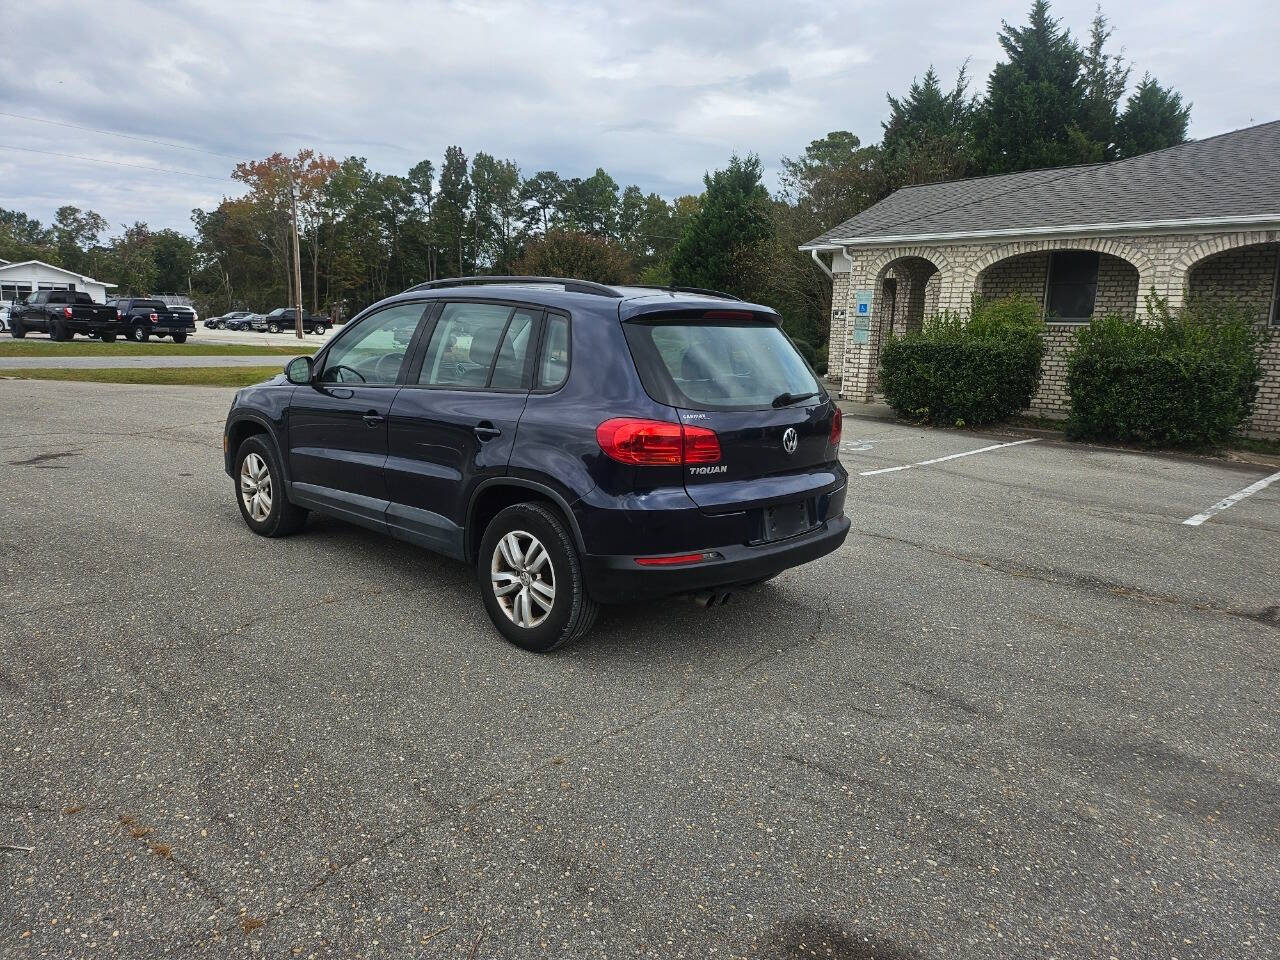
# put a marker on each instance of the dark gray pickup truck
(143, 317)
(62, 314)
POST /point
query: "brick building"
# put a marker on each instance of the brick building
(1199, 218)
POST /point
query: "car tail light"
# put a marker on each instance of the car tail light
(837, 427)
(119, 314)
(701, 445)
(66, 312)
(155, 318)
(656, 442)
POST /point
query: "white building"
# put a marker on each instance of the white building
(19, 279)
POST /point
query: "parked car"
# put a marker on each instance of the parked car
(244, 323)
(224, 322)
(62, 314)
(576, 443)
(283, 319)
(143, 317)
(4, 316)
(185, 311)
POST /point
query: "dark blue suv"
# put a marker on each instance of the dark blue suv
(577, 443)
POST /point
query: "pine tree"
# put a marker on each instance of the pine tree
(1154, 118)
(929, 134)
(421, 180)
(733, 221)
(1034, 99)
(1105, 78)
(541, 196)
(452, 208)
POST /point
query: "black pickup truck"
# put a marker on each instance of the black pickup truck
(141, 318)
(62, 314)
(285, 319)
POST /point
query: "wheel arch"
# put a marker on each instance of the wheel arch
(246, 426)
(498, 493)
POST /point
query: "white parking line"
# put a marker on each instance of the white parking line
(872, 473)
(953, 456)
(1231, 501)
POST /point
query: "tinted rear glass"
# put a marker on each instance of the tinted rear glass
(717, 366)
(150, 305)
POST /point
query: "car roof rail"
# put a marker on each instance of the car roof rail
(672, 288)
(570, 285)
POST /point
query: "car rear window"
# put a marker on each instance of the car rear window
(717, 365)
(149, 305)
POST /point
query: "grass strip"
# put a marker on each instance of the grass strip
(96, 348)
(163, 376)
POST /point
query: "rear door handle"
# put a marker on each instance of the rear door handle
(487, 431)
(373, 418)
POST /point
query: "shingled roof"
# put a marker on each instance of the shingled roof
(1231, 178)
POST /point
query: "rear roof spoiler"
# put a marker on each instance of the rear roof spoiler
(672, 288)
(656, 311)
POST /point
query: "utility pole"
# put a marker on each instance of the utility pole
(297, 259)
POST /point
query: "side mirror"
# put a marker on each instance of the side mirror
(300, 371)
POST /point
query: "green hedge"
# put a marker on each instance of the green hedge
(1185, 379)
(970, 370)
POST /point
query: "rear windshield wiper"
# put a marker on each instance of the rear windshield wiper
(787, 399)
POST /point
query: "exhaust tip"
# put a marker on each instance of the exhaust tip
(711, 598)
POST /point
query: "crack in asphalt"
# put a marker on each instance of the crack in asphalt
(41, 458)
(1269, 616)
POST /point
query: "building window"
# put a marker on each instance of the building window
(1072, 286)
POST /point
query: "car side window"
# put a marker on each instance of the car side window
(476, 345)
(511, 366)
(554, 365)
(56, 297)
(374, 350)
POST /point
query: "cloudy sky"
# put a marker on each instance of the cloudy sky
(656, 92)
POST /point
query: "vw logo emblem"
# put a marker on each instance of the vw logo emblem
(790, 440)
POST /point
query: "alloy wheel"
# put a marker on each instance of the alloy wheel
(523, 579)
(255, 487)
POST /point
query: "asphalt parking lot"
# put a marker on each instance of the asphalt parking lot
(311, 340)
(1025, 711)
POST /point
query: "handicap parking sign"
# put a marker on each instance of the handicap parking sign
(862, 302)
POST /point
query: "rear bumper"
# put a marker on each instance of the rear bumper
(619, 579)
(93, 326)
(168, 329)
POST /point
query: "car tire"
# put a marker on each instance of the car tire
(139, 333)
(108, 338)
(54, 329)
(17, 330)
(273, 328)
(256, 465)
(572, 612)
(179, 338)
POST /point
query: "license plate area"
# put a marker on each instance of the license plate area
(785, 520)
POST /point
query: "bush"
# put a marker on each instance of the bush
(969, 370)
(1171, 380)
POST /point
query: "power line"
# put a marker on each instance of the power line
(124, 136)
(115, 163)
